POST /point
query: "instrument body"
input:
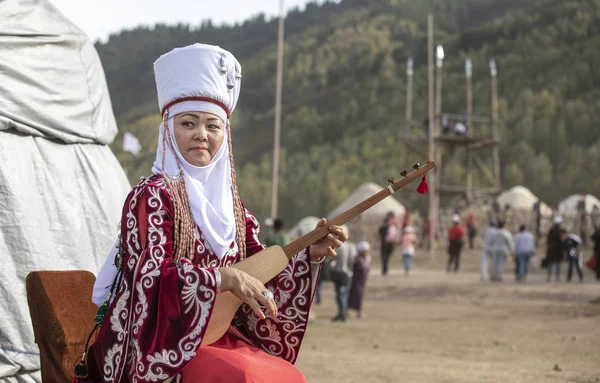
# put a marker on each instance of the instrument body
(267, 264)
(263, 266)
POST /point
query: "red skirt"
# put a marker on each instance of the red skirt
(231, 360)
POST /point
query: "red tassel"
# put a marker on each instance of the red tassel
(423, 188)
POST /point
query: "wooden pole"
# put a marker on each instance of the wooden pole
(409, 92)
(439, 150)
(496, 154)
(432, 175)
(484, 169)
(278, 86)
(438, 99)
(468, 71)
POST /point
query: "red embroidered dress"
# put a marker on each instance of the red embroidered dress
(156, 322)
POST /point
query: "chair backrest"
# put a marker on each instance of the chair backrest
(62, 314)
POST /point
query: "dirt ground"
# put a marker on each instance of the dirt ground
(437, 327)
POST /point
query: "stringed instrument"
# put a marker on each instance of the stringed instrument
(267, 264)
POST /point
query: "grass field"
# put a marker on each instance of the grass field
(437, 327)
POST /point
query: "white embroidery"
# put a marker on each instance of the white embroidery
(281, 338)
(112, 360)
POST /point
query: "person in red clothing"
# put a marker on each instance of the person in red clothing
(407, 220)
(456, 236)
(471, 229)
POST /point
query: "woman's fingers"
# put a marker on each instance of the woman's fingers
(334, 242)
(259, 300)
(268, 303)
(339, 232)
(322, 222)
(272, 308)
(253, 303)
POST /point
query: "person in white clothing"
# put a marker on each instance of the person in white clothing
(501, 246)
(485, 256)
(524, 249)
(408, 241)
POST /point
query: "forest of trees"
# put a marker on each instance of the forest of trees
(345, 91)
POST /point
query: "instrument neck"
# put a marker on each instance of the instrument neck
(319, 233)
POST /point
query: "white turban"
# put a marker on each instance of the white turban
(363, 246)
(206, 73)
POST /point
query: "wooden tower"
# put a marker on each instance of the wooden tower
(481, 134)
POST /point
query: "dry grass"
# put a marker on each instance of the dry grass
(439, 327)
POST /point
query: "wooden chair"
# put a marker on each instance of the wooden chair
(62, 314)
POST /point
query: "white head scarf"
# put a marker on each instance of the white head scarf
(208, 187)
(363, 246)
(201, 78)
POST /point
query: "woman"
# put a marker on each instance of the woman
(554, 249)
(471, 229)
(596, 255)
(456, 236)
(360, 272)
(524, 250)
(501, 246)
(388, 234)
(181, 229)
(407, 243)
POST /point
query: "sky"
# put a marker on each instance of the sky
(99, 18)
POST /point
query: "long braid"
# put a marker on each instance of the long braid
(183, 227)
(238, 210)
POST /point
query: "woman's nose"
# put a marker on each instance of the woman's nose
(201, 134)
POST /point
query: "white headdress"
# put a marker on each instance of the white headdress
(363, 246)
(202, 78)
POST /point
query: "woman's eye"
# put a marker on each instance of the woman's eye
(214, 127)
(189, 124)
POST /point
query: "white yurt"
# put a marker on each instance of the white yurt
(303, 227)
(521, 198)
(61, 187)
(378, 211)
(365, 226)
(569, 206)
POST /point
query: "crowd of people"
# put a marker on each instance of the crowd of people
(499, 243)
(349, 270)
(560, 246)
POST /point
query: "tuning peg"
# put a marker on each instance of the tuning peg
(404, 173)
(416, 166)
(391, 180)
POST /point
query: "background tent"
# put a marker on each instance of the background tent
(303, 227)
(521, 198)
(365, 226)
(61, 187)
(521, 201)
(569, 206)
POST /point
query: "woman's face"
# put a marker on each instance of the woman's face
(198, 135)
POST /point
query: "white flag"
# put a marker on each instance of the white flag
(131, 144)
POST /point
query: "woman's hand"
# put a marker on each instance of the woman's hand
(248, 289)
(326, 247)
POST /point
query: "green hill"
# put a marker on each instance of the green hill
(344, 94)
